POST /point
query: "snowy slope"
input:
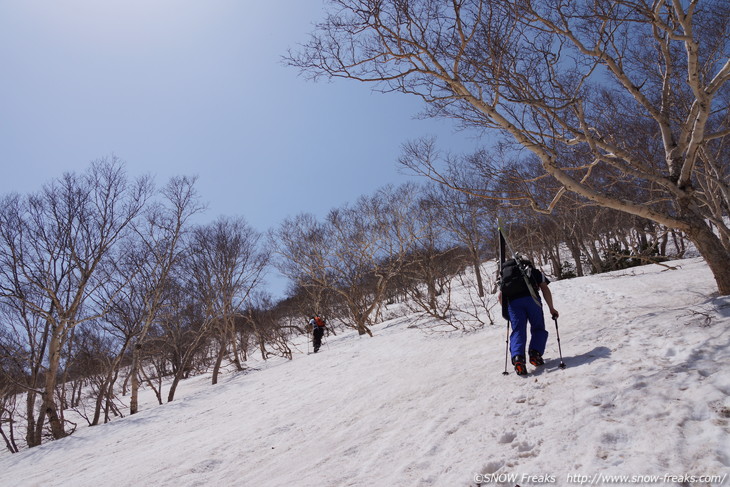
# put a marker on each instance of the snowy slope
(645, 393)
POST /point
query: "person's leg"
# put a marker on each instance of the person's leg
(318, 332)
(538, 333)
(518, 321)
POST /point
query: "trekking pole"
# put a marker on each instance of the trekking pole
(307, 338)
(506, 351)
(557, 334)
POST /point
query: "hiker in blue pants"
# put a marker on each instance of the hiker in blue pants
(521, 308)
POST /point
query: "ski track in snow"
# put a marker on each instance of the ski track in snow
(645, 392)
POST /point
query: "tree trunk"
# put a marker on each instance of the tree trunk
(595, 257)
(99, 403)
(234, 344)
(478, 272)
(106, 391)
(106, 394)
(678, 243)
(32, 436)
(363, 329)
(9, 441)
(110, 398)
(715, 254)
(183, 366)
(49, 405)
(157, 389)
(554, 257)
(219, 359)
(134, 380)
(173, 386)
(259, 338)
(431, 286)
(575, 253)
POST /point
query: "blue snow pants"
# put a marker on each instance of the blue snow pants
(522, 310)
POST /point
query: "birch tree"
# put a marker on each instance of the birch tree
(606, 95)
(160, 244)
(53, 245)
(226, 264)
(354, 253)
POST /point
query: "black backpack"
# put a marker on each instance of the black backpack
(512, 282)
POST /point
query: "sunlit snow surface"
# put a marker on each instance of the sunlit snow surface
(645, 393)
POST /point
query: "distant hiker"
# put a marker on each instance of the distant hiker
(318, 326)
(521, 303)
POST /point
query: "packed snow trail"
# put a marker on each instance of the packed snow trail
(645, 392)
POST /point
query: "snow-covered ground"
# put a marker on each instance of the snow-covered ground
(645, 394)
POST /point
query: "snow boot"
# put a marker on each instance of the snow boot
(536, 358)
(519, 362)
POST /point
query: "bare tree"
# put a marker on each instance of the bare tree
(185, 330)
(428, 262)
(470, 219)
(12, 385)
(25, 343)
(53, 246)
(354, 253)
(159, 243)
(303, 247)
(226, 264)
(259, 323)
(607, 94)
(91, 369)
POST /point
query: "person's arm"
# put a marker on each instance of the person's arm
(549, 299)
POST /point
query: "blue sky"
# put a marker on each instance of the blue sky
(198, 88)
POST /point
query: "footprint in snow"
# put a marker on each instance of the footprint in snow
(508, 437)
(205, 466)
